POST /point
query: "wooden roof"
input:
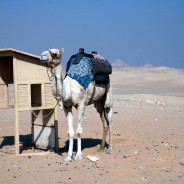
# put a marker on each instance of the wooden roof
(18, 51)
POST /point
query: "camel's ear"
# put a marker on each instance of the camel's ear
(61, 51)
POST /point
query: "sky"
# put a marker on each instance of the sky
(137, 32)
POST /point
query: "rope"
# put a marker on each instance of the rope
(47, 114)
(52, 75)
(48, 73)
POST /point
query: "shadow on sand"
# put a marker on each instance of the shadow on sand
(86, 143)
(26, 140)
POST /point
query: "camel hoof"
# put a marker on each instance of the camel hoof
(109, 151)
(100, 150)
(78, 157)
(68, 158)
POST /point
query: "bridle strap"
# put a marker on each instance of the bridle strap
(52, 58)
(51, 64)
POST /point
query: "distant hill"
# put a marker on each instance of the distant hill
(148, 66)
(119, 64)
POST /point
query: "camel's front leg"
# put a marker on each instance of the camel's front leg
(69, 116)
(79, 132)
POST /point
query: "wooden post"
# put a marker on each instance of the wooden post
(56, 135)
(17, 151)
(56, 127)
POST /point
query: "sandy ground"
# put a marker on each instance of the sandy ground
(148, 136)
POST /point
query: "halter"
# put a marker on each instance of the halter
(52, 65)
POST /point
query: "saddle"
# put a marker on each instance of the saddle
(101, 69)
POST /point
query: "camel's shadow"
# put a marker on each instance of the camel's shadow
(85, 143)
(26, 141)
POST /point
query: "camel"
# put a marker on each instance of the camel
(72, 94)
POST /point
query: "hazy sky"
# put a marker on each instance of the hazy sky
(136, 31)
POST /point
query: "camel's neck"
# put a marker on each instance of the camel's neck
(57, 82)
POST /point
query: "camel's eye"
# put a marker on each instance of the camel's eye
(54, 56)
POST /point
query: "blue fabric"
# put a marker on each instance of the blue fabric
(82, 72)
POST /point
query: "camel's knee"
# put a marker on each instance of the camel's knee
(106, 128)
(108, 103)
(108, 113)
(79, 132)
(71, 134)
(107, 110)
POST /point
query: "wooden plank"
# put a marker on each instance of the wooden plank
(17, 150)
(48, 96)
(3, 96)
(30, 69)
(35, 108)
(34, 82)
(44, 137)
(36, 154)
(22, 95)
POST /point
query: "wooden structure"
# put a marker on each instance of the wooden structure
(32, 92)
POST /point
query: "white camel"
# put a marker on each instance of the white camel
(73, 94)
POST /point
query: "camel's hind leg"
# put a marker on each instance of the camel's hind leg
(105, 130)
(108, 114)
(106, 117)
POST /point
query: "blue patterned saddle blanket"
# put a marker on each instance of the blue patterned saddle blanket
(82, 72)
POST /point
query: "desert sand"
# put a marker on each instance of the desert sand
(148, 136)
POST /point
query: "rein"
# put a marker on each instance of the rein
(50, 79)
(48, 72)
(47, 114)
(58, 99)
(51, 65)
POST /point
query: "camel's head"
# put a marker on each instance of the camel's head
(52, 57)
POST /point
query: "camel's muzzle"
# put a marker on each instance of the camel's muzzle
(44, 59)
